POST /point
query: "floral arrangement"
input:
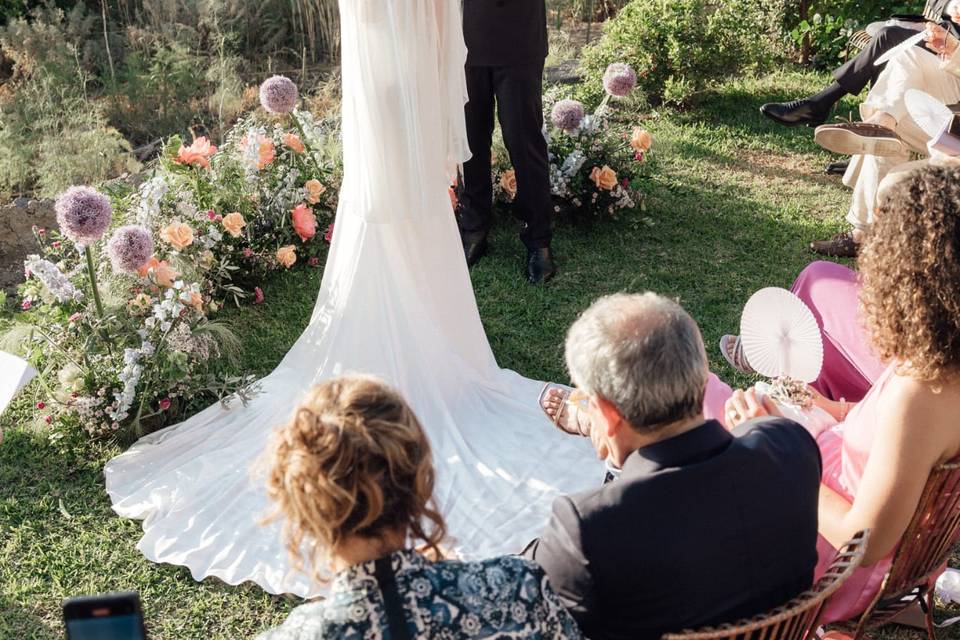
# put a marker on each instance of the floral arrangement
(120, 301)
(786, 390)
(594, 162)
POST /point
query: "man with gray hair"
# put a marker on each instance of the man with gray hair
(704, 526)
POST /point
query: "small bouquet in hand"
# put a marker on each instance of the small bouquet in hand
(787, 390)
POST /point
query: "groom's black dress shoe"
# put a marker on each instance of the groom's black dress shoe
(795, 112)
(540, 265)
(474, 246)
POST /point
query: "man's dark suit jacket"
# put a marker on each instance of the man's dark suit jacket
(703, 528)
(504, 33)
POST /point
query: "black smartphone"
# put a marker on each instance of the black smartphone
(114, 616)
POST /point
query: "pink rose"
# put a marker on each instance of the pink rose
(247, 252)
(328, 236)
(313, 261)
(164, 404)
(304, 222)
(257, 295)
(26, 305)
(197, 154)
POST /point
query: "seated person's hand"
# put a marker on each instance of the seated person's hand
(939, 40)
(744, 405)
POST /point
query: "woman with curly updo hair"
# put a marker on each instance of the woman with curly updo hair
(352, 479)
(877, 458)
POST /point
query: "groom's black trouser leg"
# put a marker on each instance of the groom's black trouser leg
(516, 90)
(520, 111)
(476, 197)
(860, 71)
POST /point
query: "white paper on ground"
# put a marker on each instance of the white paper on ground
(15, 373)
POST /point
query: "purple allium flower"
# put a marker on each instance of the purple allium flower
(619, 79)
(130, 248)
(278, 94)
(567, 115)
(84, 214)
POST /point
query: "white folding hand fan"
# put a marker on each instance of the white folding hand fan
(780, 336)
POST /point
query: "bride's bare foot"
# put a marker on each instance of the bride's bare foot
(554, 401)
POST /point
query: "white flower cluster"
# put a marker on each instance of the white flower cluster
(286, 194)
(151, 193)
(186, 208)
(170, 306)
(130, 377)
(250, 152)
(210, 239)
(51, 277)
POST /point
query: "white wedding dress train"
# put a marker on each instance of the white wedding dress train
(396, 301)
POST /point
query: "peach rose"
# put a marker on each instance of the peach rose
(234, 223)
(292, 140)
(178, 235)
(287, 255)
(508, 182)
(605, 178)
(641, 140)
(314, 190)
(196, 301)
(266, 152)
(304, 222)
(197, 154)
(163, 274)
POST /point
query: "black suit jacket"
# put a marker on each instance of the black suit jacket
(703, 528)
(503, 33)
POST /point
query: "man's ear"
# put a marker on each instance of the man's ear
(611, 415)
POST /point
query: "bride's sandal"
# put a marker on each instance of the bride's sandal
(732, 349)
(555, 403)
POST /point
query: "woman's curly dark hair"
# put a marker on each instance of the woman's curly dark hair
(910, 266)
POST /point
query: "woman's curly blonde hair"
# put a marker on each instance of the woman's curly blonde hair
(910, 266)
(352, 462)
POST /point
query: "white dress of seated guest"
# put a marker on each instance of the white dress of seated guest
(396, 300)
(915, 68)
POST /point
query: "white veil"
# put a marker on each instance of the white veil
(387, 49)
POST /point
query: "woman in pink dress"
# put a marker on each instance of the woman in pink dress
(876, 460)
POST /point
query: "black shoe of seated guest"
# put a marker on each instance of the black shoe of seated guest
(474, 246)
(795, 112)
(837, 168)
(540, 265)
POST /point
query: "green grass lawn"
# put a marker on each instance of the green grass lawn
(733, 202)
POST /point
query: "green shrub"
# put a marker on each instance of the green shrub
(51, 134)
(678, 47)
